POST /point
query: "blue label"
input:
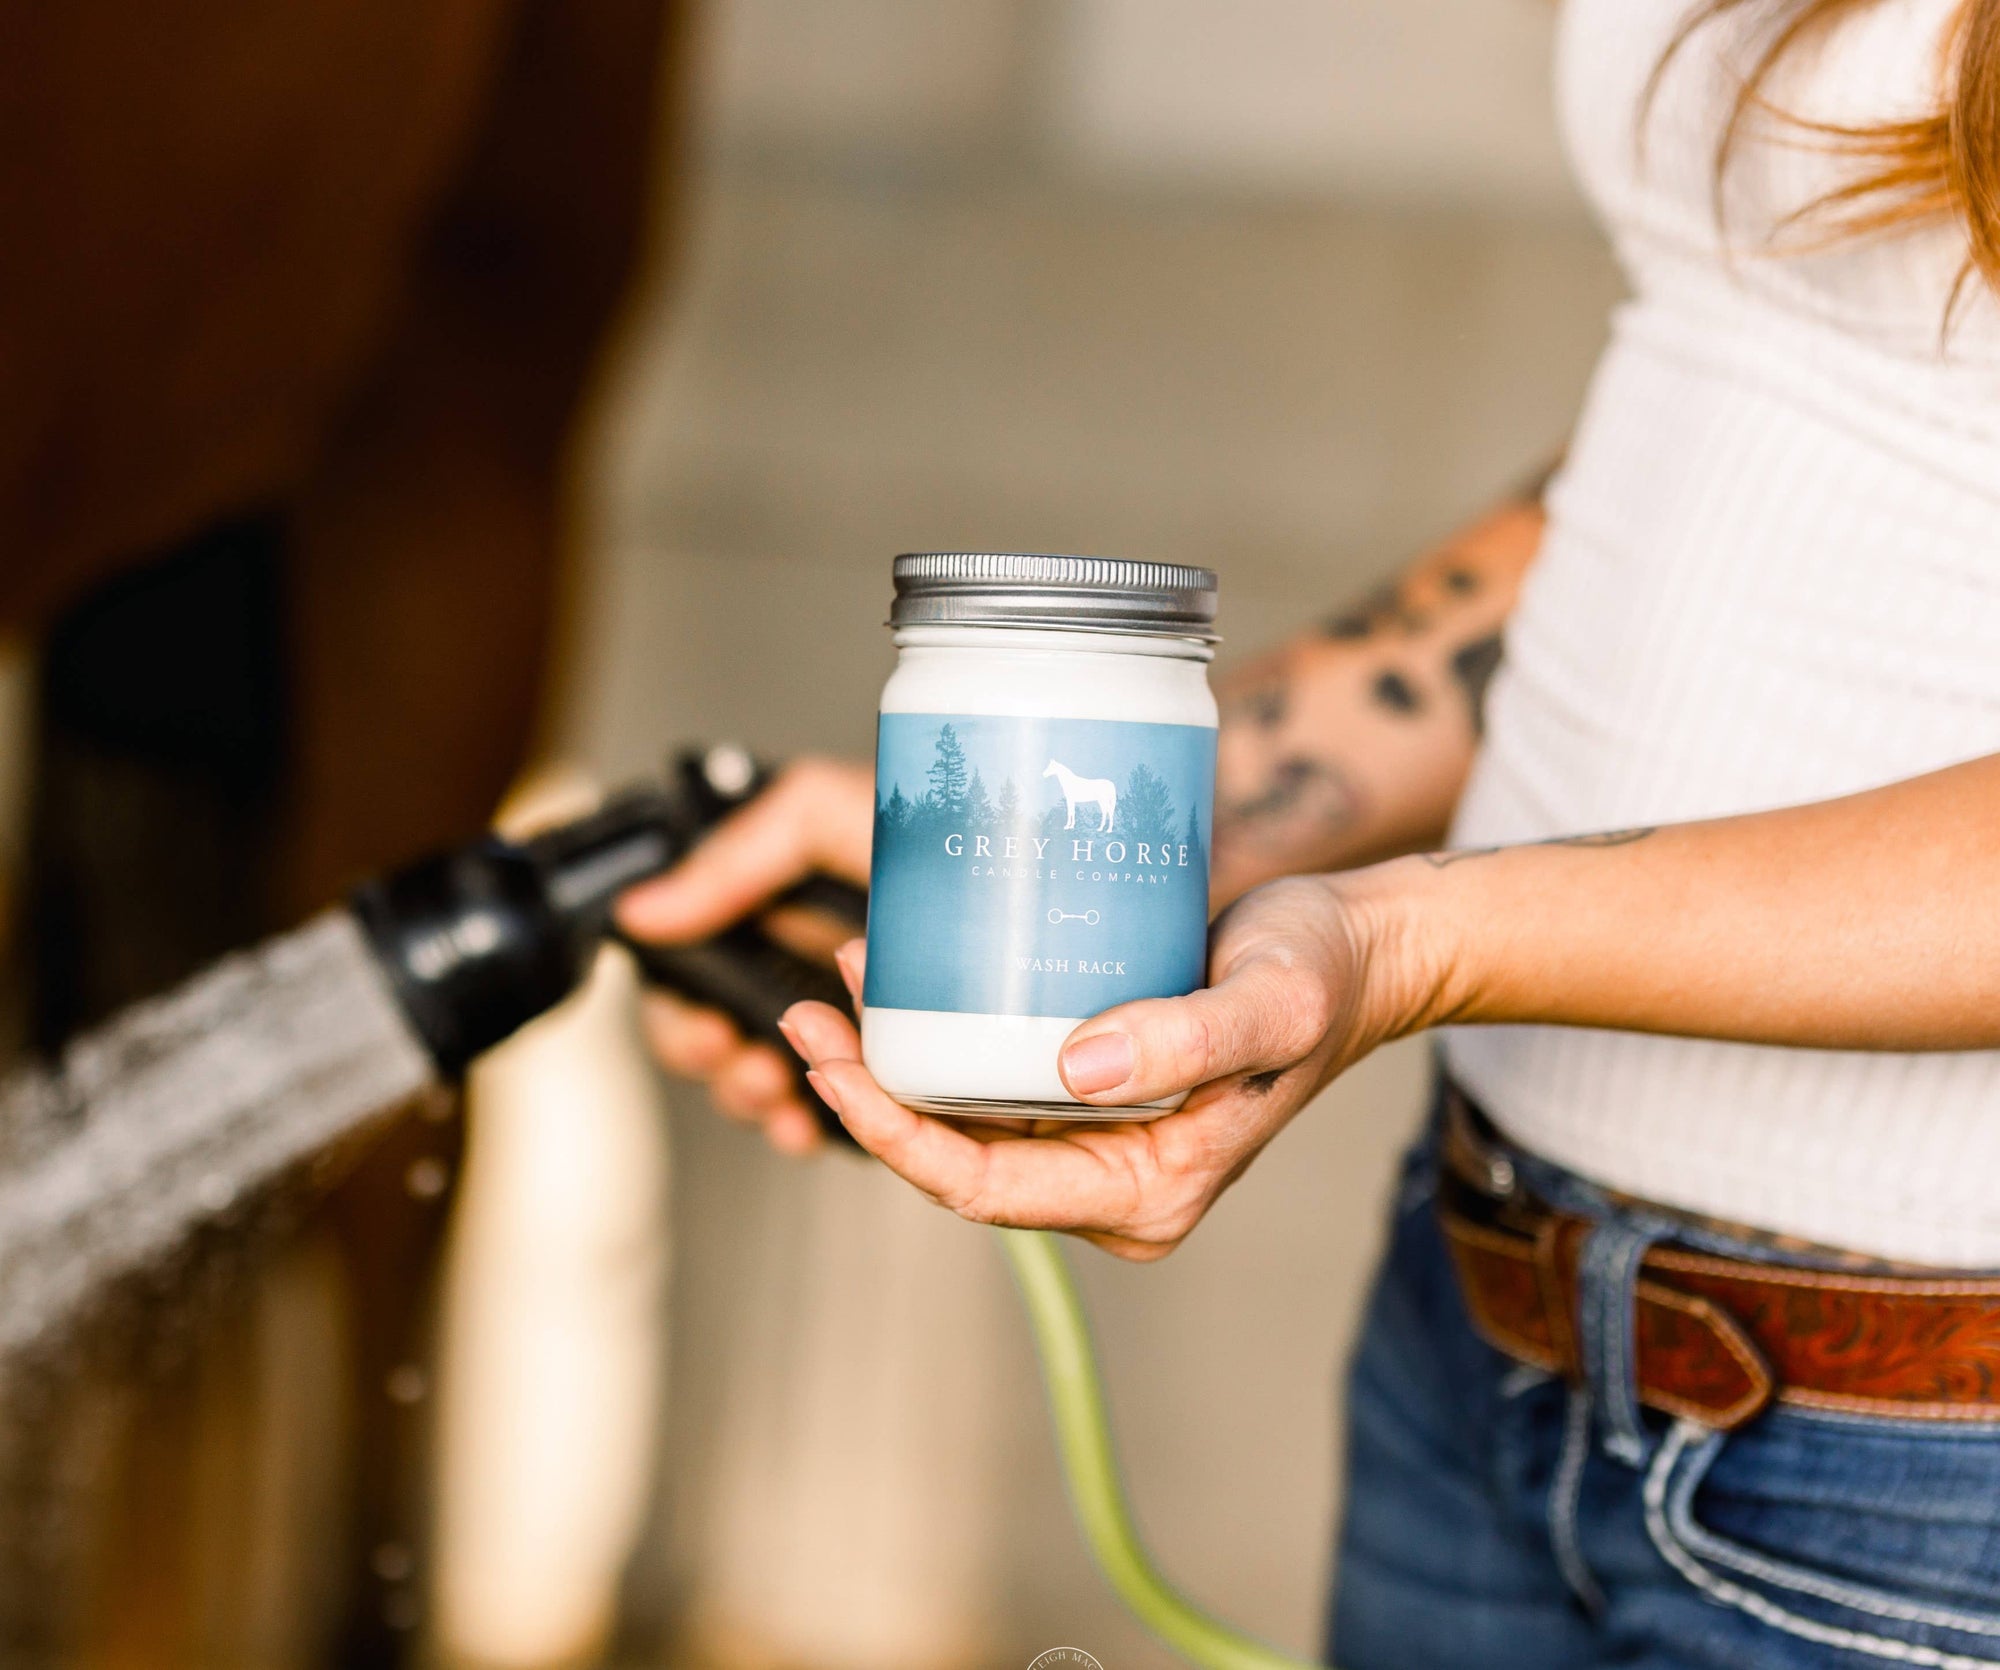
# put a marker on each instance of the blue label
(1037, 866)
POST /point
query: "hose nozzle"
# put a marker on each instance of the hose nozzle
(479, 941)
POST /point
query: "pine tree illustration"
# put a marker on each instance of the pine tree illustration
(978, 809)
(1145, 809)
(947, 774)
(1007, 808)
(892, 816)
(1192, 839)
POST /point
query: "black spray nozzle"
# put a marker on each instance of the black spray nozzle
(480, 941)
(469, 943)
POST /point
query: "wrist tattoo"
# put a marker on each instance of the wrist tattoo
(1597, 838)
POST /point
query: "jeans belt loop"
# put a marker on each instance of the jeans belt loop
(1607, 1344)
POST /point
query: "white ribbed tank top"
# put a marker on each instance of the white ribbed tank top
(1771, 575)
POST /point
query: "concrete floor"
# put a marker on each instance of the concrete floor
(853, 363)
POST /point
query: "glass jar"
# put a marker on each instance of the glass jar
(1045, 785)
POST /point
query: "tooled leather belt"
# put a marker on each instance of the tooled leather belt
(1718, 1339)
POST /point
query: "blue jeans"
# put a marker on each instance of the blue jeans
(1497, 1519)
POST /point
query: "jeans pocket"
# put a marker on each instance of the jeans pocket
(1875, 1538)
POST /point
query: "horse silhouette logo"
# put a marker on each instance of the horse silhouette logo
(1100, 792)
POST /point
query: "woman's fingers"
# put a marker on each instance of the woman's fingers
(816, 815)
(752, 1082)
(852, 961)
(792, 1130)
(1265, 1014)
(939, 1159)
(1108, 1182)
(685, 1039)
(749, 1082)
(1284, 1012)
(1280, 961)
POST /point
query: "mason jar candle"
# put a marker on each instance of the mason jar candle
(1044, 808)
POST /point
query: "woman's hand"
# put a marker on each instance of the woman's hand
(1308, 975)
(1870, 922)
(817, 817)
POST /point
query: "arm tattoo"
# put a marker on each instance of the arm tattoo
(1599, 838)
(1296, 792)
(1263, 704)
(1381, 610)
(1393, 691)
(1473, 666)
(1282, 799)
(1278, 795)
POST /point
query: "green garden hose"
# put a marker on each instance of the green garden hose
(1083, 1435)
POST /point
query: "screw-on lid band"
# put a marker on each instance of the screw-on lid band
(1073, 594)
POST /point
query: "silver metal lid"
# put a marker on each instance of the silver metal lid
(1065, 594)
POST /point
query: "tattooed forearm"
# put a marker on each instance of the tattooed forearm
(1598, 838)
(1352, 743)
(1281, 803)
(1298, 796)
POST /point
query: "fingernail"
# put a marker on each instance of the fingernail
(1098, 1063)
(824, 1091)
(791, 1037)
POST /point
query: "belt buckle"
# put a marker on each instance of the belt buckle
(1475, 1161)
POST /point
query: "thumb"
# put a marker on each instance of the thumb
(815, 816)
(1267, 1012)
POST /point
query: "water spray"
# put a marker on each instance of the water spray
(176, 1109)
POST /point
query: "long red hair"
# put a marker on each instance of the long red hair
(1942, 164)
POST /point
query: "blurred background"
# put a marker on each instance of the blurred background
(1281, 287)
